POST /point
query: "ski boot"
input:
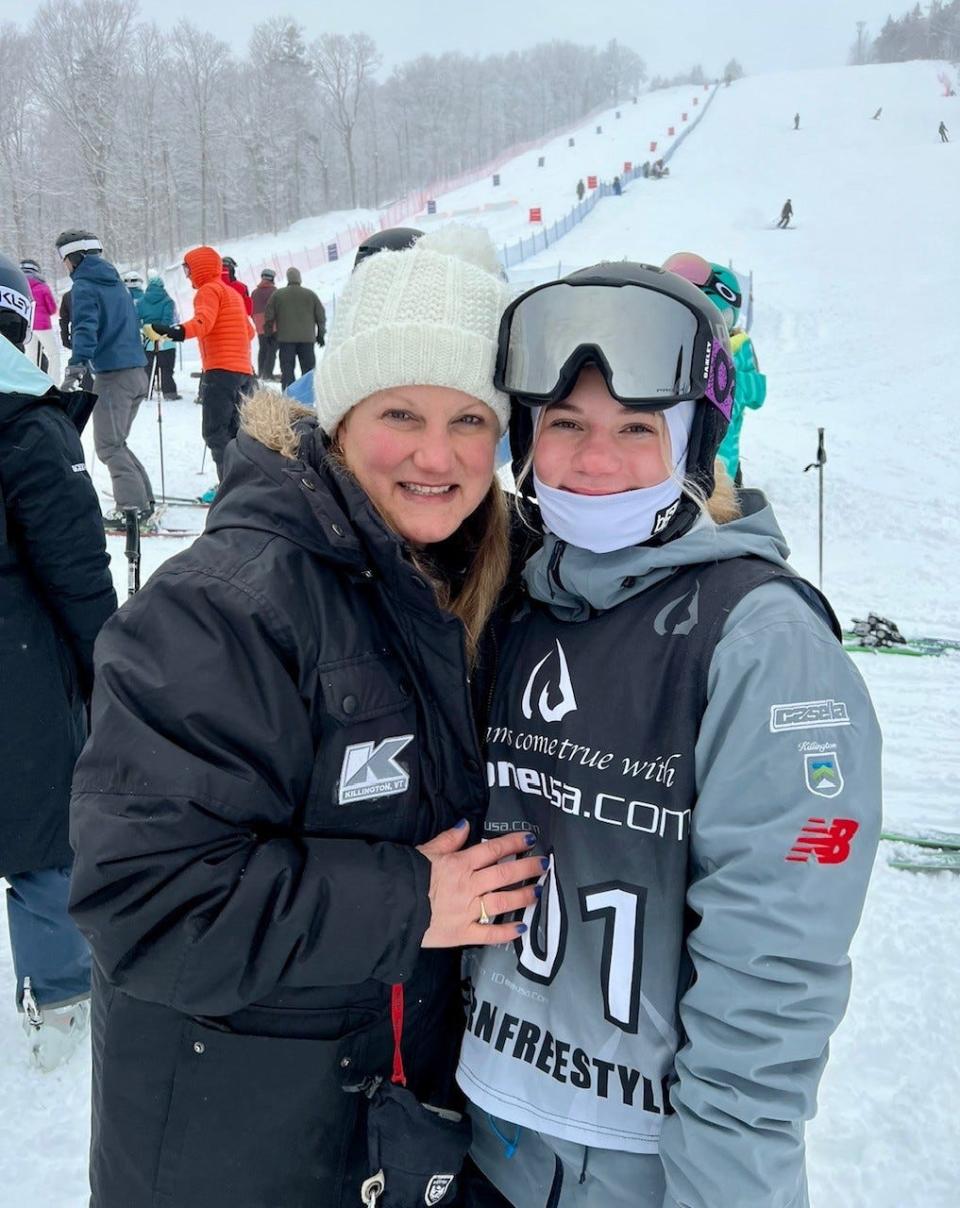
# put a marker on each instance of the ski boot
(54, 1033)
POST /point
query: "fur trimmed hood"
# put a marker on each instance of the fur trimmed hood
(271, 419)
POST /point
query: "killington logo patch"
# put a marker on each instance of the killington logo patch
(437, 1188)
(823, 775)
(371, 770)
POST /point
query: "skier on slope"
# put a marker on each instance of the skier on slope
(942, 131)
(266, 345)
(55, 593)
(796, 121)
(105, 335)
(284, 721)
(785, 214)
(229, 277)
(581, 189)
(224, 332)
(721, 286)
(676, 719)
(46, 308)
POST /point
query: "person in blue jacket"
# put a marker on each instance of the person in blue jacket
(106, 336)
(55, 593)
(156, 306)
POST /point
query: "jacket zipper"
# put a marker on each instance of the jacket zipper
(553, 571)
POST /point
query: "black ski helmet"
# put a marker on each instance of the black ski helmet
(268, 274)
(230, 265)
(710, 423)
(16, 303)
(73, 245)
(393, 239)
(30, 267)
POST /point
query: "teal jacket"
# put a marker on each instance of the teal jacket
(750, 392)
(156, 306)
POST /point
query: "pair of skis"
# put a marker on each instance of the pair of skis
(932, 851)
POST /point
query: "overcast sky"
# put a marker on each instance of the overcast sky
(765, 35)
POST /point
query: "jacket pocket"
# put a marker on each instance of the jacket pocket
(366, 775)
(261, 1122)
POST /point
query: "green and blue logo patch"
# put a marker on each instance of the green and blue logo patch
(822, 774)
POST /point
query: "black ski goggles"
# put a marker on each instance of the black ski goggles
(652, 349)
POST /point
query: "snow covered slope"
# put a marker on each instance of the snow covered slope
(856, 328)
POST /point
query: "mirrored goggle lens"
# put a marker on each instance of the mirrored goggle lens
(647, 338)
(690, 266)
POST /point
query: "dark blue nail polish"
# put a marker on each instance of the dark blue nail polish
(530, 840)
(461, 824)
(537, 891)
(544, 863)
(521, 928)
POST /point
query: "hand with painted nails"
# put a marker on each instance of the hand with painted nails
(469, 889)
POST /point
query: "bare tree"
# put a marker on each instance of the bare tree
(81, 49)
(200, 61)
(15, 72)
(344, 65)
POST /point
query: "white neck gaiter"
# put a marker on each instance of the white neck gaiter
(603, 523)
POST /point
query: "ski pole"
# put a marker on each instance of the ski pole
(155, 387)
(131, 524)
(818, 465)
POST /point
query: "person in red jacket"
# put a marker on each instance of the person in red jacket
(229, 277)
(224, 332)
(267, 349)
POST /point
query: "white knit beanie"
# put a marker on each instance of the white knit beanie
(425, 316)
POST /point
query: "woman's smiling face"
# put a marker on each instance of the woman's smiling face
(424, 455)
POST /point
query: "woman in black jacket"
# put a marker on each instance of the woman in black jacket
(284, 763)
(55, 593)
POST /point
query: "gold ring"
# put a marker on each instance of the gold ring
(484, 918)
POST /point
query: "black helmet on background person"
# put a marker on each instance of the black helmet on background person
(30, 267)
(269, 274)
(73, 245)
(393, 239)
(656, 339)
(230, 265)
(16, 303)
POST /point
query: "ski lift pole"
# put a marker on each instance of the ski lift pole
(818, 466)
(131, 524)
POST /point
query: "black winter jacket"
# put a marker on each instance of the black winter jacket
(279, 717)
(55, 593)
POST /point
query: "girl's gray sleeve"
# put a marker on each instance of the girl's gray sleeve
(783, 839)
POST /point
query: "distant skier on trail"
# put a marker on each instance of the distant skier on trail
(796, 121)
(267, 345)
(785, 214)
(617, 187)
(942, 131)
(581, 189)
(876, 116)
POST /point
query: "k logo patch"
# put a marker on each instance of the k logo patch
(823, 775)
(371, 770)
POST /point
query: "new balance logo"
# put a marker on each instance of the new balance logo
(566, 704)
(827, 843)
(371, 770)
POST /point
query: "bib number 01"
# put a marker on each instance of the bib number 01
(620, 907)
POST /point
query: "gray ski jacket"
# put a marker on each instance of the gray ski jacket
(781, 845)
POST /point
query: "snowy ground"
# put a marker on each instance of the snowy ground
(855, 325)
